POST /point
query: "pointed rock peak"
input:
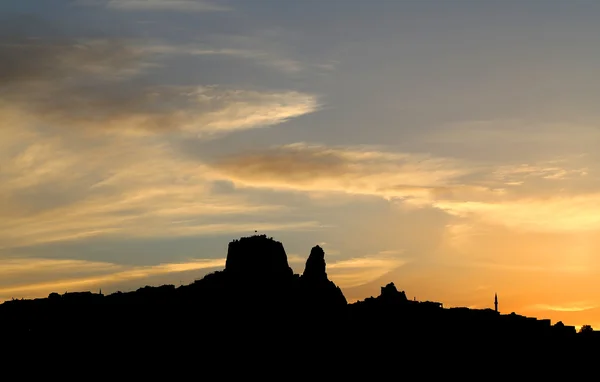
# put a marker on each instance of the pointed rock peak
(315, 265)
(389, 289)
(390, 292)
(317, 251)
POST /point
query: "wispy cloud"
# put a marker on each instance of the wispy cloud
(358, 170)
(66, 275)
(86, 147)
(457, 187)
(268, 48)
(526, 268)
(263, 57)
(27, 62)
(522, 132)
(158, 5)
(57, 187)
(15, 268)
(377, 171)
(89, 84)
(574, 307)
(517, 174)
(362, 270)
(60, 275)
(572, 213)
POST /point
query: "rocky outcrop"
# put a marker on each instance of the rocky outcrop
(257, 276)
(390, 294)
(257, 257)
(315, 265)
(316, 289)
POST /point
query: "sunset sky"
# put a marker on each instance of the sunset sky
(448, 146)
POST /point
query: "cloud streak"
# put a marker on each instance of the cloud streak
(265, 58)
(157, 5)
(57, 188)
(362, 270)
(516, 175)
(354, 170)
(459, 188)
(97, 85)
(167, 5)
(60, 275)
(575, 307)
(65, 275)
(87, 147)
(573, 213)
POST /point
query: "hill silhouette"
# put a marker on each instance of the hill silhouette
(257, 308)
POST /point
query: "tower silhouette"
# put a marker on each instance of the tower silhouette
(496, 302)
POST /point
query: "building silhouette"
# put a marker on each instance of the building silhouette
(496, 302)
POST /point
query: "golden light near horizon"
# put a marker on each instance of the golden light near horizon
(454, 161)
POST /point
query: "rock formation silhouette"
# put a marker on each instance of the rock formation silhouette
(391, 295)
(257, 308)
(257, 257)
(315, 268)
(256, 273)
(316, 290)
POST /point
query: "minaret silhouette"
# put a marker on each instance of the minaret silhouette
(496, 302)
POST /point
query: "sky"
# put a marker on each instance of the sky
(449, 147)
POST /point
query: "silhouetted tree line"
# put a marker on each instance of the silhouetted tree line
(257, 306)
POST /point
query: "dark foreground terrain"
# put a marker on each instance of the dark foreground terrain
(256, 318)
